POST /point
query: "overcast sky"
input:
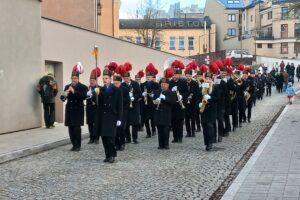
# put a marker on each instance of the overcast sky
(129, 6)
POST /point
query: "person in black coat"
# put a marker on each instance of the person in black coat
(200, 80)
(179, 87)
(209, 110)
(232, 90)
(251, 87)
(242, 86)
(191, 104)
(147, 89)
(133, 117)
(91, 107)
(75, 93)
(120, 137)
(164, 99)
(109, 114)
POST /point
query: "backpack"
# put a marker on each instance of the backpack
(47, 91)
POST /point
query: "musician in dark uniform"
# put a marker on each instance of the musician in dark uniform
(75, 93)
(227, 102)
(91, 107)
(179, 87)
(260, 85)
(133, 117)
(232, 90)
(251, 90)
(120, 136)
(208, 110)
(192, 103)
(147, 88)
(241, 88)
(138, 78)
(110, 111)
(164, 99)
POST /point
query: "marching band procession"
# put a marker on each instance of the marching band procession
(212, 99)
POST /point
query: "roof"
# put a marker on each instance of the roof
(253, 3)
(232, 6)
(173, 23)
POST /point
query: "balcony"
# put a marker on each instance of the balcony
(284, 1)
(264, 35)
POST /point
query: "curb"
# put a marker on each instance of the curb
(36, 149)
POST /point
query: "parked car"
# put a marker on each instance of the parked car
(237, 54)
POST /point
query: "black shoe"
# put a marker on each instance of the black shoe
(174, 141)
(90, 142)
(233, 129)
(167, 147)
(193, 135)
(148, 136)
(128, 141)
(198, 130)
(47, 127)
(160, 148)
(180, 140)
(153, 133)
(122, 148)
(105, 160)
(188, 135)
(220, 139)
(135, 142)
(77, 149)
(226, 134)
(208, 147)
(141, 129)
(111, 160)
(52, 127)
(72, 149)
(96, 141)
(249, 120)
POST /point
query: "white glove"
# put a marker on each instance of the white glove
(89, 94)
(151, 95)
(207, 97)
(157, 101)
(245, 94)
(119, 123)
(174, 89)
(200, 105)
(130, 94)
(144, 94)
(179, 97)
(131, 98)
(162, 97)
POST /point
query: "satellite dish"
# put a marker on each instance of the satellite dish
(168, 62)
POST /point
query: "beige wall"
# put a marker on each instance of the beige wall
(248, 14)
(20, 64)
(80, 13)
(264, 19)
(109, 19)
(198, 34)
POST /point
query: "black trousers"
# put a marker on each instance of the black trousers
(120, 138)
(249, 108)
(208, 132)
(163, 136)
(269, 91)
(147, 125)
(49, 114)
(109, 146)
(134, 133)
(75, 136)
(190, 124)
(220, 120)
(241, 106)
(234, 112)
(227, 122)
(198, 121)
(177, 127)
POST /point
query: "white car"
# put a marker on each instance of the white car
(237, 54)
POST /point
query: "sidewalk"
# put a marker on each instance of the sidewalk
(24, 143)
(273, 171)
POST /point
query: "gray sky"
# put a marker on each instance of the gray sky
(129, 6)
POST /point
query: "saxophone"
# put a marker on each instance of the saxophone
(204, 101)
(180, 102)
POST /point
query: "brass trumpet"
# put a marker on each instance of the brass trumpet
(204, 101)
(190, 97)
(180, 102)
(237, 79)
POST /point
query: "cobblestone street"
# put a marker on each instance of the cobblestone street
(186, 171)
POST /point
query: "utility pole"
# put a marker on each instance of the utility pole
(240, 32)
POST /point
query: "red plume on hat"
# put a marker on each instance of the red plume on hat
(177, 64)
(188, 69)
(151, 69)
(227, 61)
(128, 66)
(141, 73)
(112, 66)
(121, 70)
(214, 68)
(247, 69)
(240, 67)
(229, 69)
(96, 72)
(78, 68)
(193, 65)
(219, 63)
(203, 68)
(168, 73)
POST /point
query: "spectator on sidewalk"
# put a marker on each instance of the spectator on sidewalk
(290, 93)
(47, 87)
(288, 67)
(298, 73)
(285, 80)
(291, 72)
(269, 82)
(282, 65)
(279, 82)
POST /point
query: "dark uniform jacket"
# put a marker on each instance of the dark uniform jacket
(232, 98)
(192, 104)
(148, 110)
(47, 93)
(126, 100)
(133, 117)
(210, 113)
(74, 115)
(91, 107)
(110, 110)
(223, 95)
(177, 112)
(163, 111)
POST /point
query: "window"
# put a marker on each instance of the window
(270, 46)
(233, 1)
(284, 30)
(231, 32)
(231, 18)
(181, 43)
(157, 42)
(138, 40)
(297, 48)
(251, 19)
(270, 15)
(284, 12)
(297, 13)
(191, 43)
(284, 48)
(259, 46)
(172, 43)
(129, 39)
(149, 42)
(297, 30)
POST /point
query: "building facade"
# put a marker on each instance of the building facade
(183, 37)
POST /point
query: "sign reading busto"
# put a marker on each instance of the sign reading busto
(179, 24)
